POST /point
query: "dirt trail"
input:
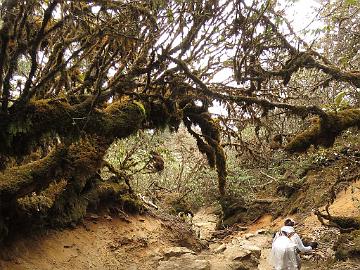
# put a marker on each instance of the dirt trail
(259, 234)
(205, 222)
(148, 243)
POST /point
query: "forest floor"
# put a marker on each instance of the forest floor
(144, 242)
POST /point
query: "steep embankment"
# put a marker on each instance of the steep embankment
(102, 242)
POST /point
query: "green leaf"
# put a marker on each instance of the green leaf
(170, 15)
(351, 2)
(339, 98)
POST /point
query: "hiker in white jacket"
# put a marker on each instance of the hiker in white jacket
(285, 248)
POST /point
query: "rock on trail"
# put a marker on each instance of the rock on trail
(239, 252)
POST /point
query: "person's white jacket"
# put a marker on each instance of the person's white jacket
(284, 250)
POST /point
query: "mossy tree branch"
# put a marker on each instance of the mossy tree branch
(75, 160)
(22, 129)
(118, 120)
(209, 142)
(323, 131)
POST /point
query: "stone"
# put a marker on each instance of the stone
(236, 253)
(242, 257)
(184, 263)
(249, 235)
(177, 252)
(220, 249)
(255, 250)
(107, 217)
(262, 231)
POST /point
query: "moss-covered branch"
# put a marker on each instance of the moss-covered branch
(82, 153)
(73, 163)
(324, 130)
(21, 130)
(209, 143)
(19, 181)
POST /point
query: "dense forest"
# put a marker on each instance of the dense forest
(81, 81)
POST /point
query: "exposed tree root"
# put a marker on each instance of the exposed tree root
(345, 224)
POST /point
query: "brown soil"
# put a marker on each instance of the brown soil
(119, 243)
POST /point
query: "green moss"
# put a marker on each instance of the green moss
(15, 179)
(207, 150)
(68, 208)
(346, 118)
(305, 139)
(50, 114)
(85, 157)
(72, 205)
(35, 203)
(211, 131)
(106, 192)
(221, 168)
(120, 120)
(323, 131)
(141, 106)
(21, 131)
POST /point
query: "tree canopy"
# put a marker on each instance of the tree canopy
(77, 75)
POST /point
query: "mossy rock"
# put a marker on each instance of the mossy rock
(348, 246)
